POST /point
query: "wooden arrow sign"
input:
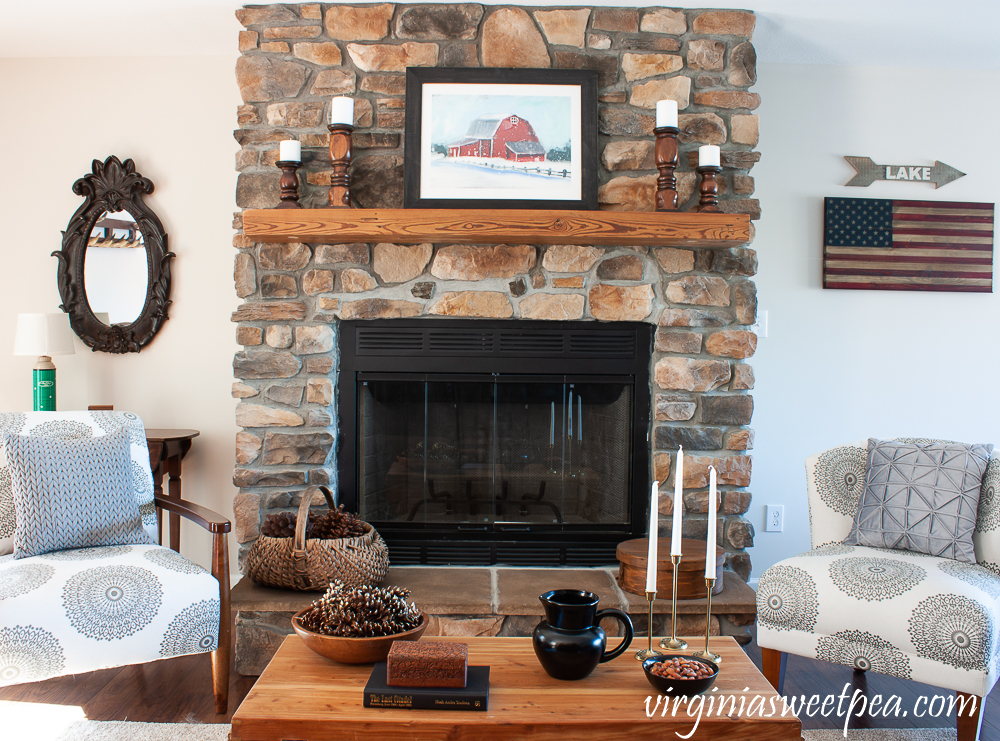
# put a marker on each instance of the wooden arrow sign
(868, 172)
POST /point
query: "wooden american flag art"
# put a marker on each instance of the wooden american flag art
(877, 244)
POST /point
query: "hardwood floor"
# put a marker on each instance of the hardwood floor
(179, 690)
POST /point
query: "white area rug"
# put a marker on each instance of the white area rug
(119, 730)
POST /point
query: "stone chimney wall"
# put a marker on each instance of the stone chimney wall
(294, 58)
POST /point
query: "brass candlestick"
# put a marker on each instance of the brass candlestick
(648, 653)
(709, 189)
(706, 654)
(340, 158)
(673, 643)
(289, 183)
(666, 163)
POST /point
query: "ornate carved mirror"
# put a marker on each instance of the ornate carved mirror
(114, 270)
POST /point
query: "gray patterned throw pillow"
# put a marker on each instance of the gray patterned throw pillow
(921, 496)
(74, 493)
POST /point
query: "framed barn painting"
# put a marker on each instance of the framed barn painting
(500, 138)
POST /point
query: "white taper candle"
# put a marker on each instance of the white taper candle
(678, 523)
(712, 514)
(654, 527)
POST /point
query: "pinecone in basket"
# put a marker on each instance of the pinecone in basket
(279, 525)
(361, 612)
(334, 523)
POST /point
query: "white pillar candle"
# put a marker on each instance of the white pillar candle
(666, 113)
(290, 150)
(712, 510)
(709, 155)
(654, 526)
(342, 111)
(678, 525)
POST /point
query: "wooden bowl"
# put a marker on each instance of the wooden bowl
(354, 650)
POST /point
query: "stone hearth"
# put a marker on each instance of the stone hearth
(491, 601)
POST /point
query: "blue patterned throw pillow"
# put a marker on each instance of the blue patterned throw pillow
(921, 496)
(72, 493)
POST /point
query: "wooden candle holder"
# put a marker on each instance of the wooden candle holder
(340, 158)
(709, 189)
(666, 163)
(289, 183)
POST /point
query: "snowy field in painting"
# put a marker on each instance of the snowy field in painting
(473, 174)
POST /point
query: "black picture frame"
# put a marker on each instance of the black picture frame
(416, 144)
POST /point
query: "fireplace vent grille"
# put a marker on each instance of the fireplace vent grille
(390, 341)
(460, 342)
(550, 343)
(417, 341)
(606, 344)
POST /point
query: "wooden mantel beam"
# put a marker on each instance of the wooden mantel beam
(489, 226)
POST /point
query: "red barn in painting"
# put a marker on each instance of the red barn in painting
(504, 137)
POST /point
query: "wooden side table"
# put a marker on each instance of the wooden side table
(167, 449)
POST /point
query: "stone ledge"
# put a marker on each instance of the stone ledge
(487, 601)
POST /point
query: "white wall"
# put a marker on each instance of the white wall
(837, 365)
(174, 117)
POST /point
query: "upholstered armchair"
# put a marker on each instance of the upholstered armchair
(67, 611)
(897, 612)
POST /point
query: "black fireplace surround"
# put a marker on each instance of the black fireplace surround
(496, 442)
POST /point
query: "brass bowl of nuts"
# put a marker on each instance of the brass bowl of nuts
(680, 676)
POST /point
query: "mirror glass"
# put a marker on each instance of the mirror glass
(115, 269)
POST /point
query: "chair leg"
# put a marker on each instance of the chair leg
(969, 721)
(222, 656)
(774, 664)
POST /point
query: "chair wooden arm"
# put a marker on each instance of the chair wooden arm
(211, 521)
(219, 526)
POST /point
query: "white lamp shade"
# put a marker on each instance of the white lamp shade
(43, 334)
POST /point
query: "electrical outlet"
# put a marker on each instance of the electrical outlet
(774, 521)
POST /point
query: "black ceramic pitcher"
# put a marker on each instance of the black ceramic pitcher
(569, 643)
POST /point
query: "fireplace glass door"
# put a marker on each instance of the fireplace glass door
(500, 453)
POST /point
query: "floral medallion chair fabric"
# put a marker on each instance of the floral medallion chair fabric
(905, 614)
(73, 611)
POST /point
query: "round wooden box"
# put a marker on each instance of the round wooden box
(690, 580)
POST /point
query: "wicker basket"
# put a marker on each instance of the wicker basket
(310, 565)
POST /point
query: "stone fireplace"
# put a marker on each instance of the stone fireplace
(698, 301)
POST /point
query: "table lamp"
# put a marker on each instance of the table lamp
(43, 335)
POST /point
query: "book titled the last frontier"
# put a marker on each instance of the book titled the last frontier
(474, 696)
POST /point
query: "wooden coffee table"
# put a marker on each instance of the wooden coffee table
(303, 696)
